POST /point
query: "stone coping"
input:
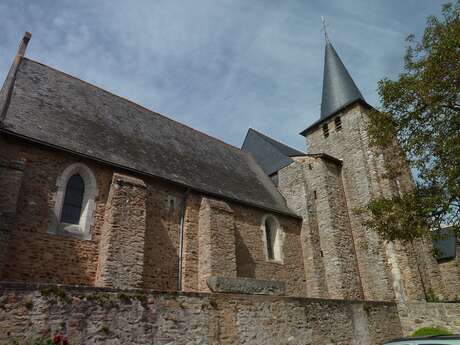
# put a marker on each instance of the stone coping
(249, 286)
(21, 286)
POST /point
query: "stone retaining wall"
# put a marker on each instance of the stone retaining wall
(110, 316)
(421, 314)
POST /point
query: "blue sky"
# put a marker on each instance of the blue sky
(219, 66)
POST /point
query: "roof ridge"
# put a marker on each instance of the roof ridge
(265, 137)
(134, 103)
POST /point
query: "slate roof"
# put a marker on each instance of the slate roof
(53, 108)
(269, 153)
(339, 89)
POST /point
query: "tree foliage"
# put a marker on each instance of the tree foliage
(421, 109)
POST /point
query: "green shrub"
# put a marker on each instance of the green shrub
(427, 331)
(431, 296)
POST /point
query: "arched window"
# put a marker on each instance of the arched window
(74, 202)
(273, 238)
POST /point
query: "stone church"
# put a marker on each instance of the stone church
(96, 190)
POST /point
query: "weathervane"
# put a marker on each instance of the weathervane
(326, 37)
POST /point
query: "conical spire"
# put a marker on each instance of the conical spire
(339, 89)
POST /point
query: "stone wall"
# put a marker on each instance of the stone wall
(164, 203)
(216, 242)
(35, 255)
(121, 248)
(329, 253)
(102, 316)
(349, 145)
(387, 271)
(415, 315)
(251, 261)
(450, 272)
(11, 174)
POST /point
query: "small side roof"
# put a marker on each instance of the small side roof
(268, 152)
(53, 108)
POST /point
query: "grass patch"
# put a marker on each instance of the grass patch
(430, 331)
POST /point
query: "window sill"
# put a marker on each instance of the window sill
(275, 261)
(70, 230)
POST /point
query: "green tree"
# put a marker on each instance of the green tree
(421, 109)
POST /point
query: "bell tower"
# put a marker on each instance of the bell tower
(388, 271)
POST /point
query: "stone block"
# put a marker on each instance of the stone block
(246, 286)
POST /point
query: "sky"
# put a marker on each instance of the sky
(219, 66)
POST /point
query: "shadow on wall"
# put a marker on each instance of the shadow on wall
(245, 263)
(161, 259)
(34, 255)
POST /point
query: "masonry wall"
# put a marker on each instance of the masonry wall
(450, 271)
(121, 248)
(161, 253)
(92, 316)
(250, 256)
(387, 271)
(34, 255)
(11, 174)
(294, 187)
(329, 253)
(415, 315)
(250, 252)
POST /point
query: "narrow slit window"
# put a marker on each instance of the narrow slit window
(325, 130)
(270, 233)
(73, 200)
(338, 123)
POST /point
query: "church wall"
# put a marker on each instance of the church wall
(161, 251)
(250, 250)
(350, 145)
(387, 271)
(38, 256)
(328, 250)
(11, 174)
(249, 246)
(294, 187)
(33, 253)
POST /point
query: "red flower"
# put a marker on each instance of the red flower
(57, 339)
(65, 341)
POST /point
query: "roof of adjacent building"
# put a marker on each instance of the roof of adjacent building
(269, 153)
(445, 243)
(56, 109)
(339, 89)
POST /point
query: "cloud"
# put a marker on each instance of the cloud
(220, 66)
